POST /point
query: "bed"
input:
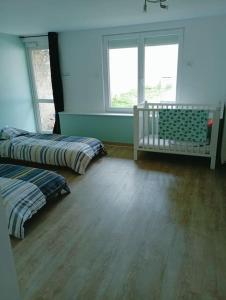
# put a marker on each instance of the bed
(185, 129)
(24, 191)
(49, 149)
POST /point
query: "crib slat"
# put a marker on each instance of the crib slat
(153, 128)
(174, 146)
(148, 120)
(164, 143)
(157, 127)
(143, 132)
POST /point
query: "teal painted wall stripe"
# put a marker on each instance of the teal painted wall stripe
(16, 108)
(106, 128)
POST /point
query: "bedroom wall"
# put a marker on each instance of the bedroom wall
(15, 96)
(8, 283)
(202, 76)
(110, 128)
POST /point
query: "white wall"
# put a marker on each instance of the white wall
(8, 284)
(203, 71)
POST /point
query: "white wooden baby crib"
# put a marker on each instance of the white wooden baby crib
(187, 129)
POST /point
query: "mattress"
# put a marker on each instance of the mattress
(52, 149)
(156, 143)
(24, 191)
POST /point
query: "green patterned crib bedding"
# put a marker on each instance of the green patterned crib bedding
(184, 125)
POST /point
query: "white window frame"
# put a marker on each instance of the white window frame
(141, 36)
(33, 43)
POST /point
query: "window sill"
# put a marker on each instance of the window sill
(98, 114)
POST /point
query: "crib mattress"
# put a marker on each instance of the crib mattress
(155, 143)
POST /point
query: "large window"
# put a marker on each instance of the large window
(141, 67)
(161, 73)
(123, 72)
(40, 74)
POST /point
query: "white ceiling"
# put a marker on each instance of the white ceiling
(26, 17)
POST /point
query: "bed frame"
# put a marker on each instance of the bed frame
(148, 136)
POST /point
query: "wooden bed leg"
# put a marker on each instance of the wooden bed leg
(214, 137)
(135, 154)
(135, 131)
(213, 162)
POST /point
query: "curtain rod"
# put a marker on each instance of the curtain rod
(32, 36)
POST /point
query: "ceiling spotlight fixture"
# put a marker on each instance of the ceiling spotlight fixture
(162, 3)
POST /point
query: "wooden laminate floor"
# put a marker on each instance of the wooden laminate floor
(155, 229)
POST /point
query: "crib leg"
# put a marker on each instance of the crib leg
(213, 162)
(135, 154)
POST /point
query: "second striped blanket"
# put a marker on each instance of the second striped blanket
(21, 201)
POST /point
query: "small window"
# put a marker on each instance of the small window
(140, 67)
(47, 116)
(40, 74)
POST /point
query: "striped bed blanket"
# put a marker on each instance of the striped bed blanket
(24, 191)
(52, 149)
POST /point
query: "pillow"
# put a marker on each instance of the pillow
(11, 132)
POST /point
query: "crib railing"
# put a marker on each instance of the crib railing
(187, 129)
